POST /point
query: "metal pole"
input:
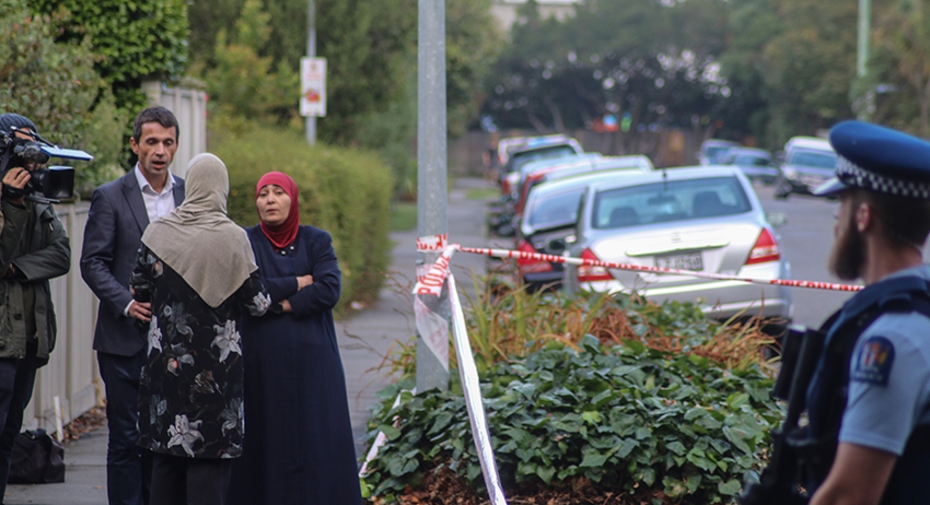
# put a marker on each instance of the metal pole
(865, 104)
(862, 53)
(432, 193)
(311, 52)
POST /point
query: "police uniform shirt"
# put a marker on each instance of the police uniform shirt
(889, 379)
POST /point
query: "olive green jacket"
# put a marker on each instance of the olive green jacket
(49, 256)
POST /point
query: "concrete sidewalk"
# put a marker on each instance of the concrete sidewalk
(364, 338)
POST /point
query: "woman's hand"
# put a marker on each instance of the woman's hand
(286, 306)
(304, 281)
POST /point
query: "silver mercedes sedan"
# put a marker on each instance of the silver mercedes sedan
(705, 219)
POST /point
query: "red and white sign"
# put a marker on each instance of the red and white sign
(313, 87)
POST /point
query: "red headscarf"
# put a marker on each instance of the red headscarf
(282, 235)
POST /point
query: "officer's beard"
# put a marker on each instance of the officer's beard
(848, 254)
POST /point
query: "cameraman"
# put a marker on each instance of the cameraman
(33, 249)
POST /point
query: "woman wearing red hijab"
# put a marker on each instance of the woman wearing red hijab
(299, 448)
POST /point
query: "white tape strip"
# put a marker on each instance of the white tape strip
(434, 330)
(431, 283)
(468, 373)
(381, 439)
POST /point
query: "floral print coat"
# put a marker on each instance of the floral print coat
(190, 396)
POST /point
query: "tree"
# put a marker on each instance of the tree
(654, 64)
(370, 46)
(902, 62)
(246, 87)
(134, 41)
(54, 84)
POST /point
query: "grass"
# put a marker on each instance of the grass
(403, 216)
(482, 193)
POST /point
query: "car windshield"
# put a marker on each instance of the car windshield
(669, 201)
(714, 153)
(817, 159)
(558, 209)
(522, 158)
(751, 160)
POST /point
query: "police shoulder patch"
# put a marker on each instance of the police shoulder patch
(872, 363)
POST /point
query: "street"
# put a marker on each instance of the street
(807, 238)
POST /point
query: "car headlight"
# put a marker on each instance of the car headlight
(791, 173)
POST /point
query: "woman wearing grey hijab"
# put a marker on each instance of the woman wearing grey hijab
(197, 269)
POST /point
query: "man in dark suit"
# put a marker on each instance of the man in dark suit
(119, 213)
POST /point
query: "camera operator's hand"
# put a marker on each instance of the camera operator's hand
(15, 179)
(141, 311)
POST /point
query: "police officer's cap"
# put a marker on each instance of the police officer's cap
(878, 159)
(9, 120)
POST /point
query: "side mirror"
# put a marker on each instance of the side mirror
(776, 219)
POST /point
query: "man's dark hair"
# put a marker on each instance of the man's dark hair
(159, 115)
(905, 221)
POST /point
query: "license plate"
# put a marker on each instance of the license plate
(692, 261)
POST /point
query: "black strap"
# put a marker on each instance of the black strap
(918, 442)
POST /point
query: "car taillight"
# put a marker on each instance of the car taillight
(525, 192)
(505, 186)
(528, 265)
(588, 273)
(766, 249)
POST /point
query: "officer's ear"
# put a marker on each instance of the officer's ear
(865, 217)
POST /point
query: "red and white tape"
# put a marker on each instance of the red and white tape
(440, 269)
(432, 243)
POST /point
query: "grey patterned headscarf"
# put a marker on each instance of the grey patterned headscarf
(198, 240)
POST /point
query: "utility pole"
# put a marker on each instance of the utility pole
(311, 53)
(432, 192)
(865, 104)
(865, 26)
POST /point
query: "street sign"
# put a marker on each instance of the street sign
(313, 87)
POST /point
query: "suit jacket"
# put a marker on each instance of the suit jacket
(112, 238)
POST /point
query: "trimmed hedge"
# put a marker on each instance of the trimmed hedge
(343, 191)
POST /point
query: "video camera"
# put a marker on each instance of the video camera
(53, 182)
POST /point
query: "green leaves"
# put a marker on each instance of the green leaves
(620, 418)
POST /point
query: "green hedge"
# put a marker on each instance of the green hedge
(343, 191)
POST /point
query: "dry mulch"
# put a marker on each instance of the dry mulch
(88, 421)
(447, 488)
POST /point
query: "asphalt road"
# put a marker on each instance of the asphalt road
(806, 240)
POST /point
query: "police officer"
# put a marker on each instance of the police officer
(869, 400)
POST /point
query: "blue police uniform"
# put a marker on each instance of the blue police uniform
(877, 394)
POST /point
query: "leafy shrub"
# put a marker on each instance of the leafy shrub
(135, 41)
(345, 192)
(622, 419)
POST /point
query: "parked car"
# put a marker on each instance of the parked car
(548, 225)
(706, 219)
(535, 148)
(756, 164)
(567, 169)
(809, 162)
(713, 149)
(533, 171)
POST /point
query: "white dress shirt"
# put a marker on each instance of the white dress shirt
(156, 204)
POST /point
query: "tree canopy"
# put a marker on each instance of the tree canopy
(766, 68)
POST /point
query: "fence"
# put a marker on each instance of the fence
(71, 373)
(666, 148)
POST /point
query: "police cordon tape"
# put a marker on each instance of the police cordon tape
(468, 375)
(431, 283)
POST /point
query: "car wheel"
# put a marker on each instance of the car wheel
(782, 189)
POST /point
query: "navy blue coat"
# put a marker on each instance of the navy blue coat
(298, 447)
